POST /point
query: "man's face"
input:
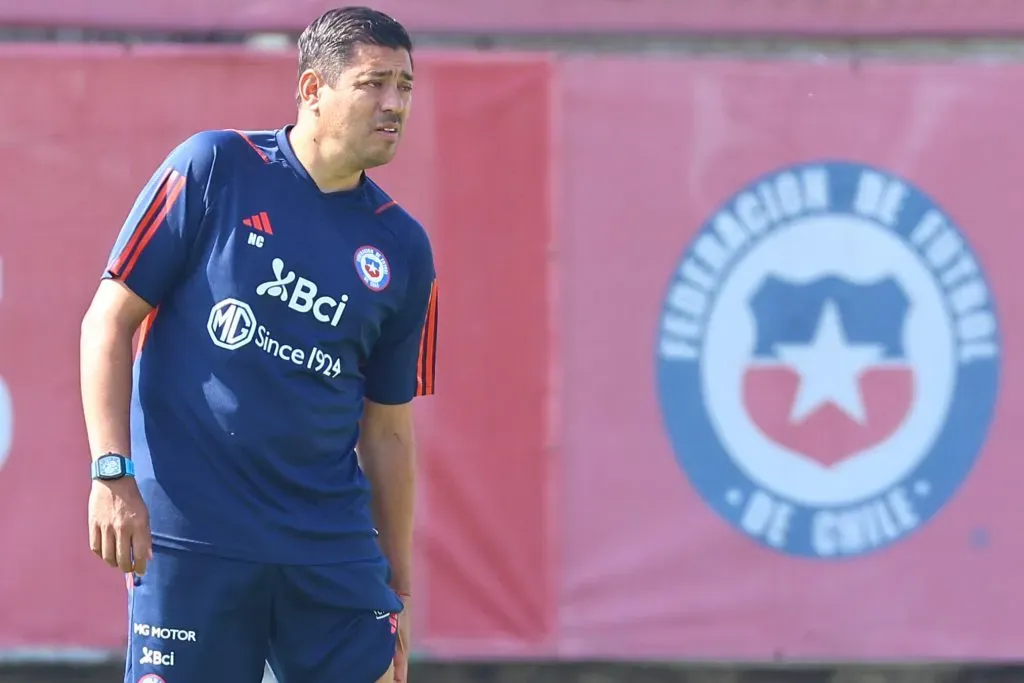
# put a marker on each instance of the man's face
(366, 109)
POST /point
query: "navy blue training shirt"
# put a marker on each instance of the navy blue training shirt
(278, 308)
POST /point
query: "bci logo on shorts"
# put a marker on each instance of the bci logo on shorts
(156, 657)
(828, 360)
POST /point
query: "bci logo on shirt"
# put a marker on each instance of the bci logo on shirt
(301, 295)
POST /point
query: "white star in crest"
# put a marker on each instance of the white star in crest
(829, 368)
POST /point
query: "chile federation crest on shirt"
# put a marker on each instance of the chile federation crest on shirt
(828, 360)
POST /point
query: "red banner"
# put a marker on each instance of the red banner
(468, 169)
(722, 17)
(70, 176)
(722, 369)
(787, 290)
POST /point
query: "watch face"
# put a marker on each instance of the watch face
(109, 467)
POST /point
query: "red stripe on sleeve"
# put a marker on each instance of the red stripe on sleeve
(427, 362)
(170, 193)
(159, 197)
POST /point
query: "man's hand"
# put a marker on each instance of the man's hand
(403, 645)
(119, 525)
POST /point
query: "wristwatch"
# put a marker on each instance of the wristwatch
(111, 466)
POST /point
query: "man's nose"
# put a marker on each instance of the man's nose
(392, 100)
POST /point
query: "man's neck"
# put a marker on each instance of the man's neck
(309, 152)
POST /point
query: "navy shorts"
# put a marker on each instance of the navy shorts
(201, 619)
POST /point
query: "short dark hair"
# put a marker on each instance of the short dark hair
(326, 45)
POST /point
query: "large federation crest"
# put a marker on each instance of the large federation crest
(828, 360)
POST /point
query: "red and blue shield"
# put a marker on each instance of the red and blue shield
(828, 378)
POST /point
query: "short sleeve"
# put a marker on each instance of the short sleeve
(153, 246)
(401, 365)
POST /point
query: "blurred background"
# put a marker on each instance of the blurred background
(721, 390)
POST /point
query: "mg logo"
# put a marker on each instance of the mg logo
(164, 633)
(232, 324)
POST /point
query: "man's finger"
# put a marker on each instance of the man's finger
(109, 545)
(401, 668)
(142, 550)
(401, 657)
(124, 549)
(95, 539)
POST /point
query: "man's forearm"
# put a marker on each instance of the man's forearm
(106, 376)
(389, 464)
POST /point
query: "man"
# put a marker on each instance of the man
(288, 316)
